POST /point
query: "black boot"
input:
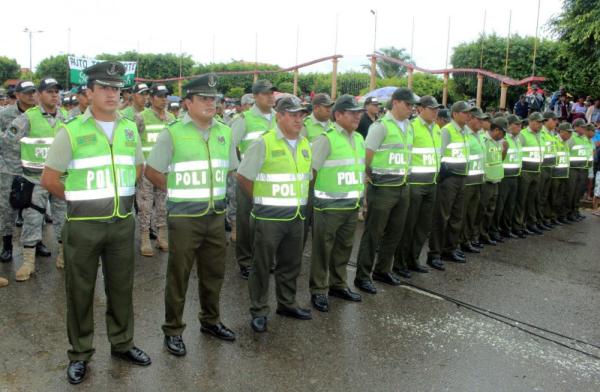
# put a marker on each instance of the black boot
(41, 250)
(19, 220)
(7, 249)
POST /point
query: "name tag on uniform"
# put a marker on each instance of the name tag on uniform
(86, 139)
(277, 153)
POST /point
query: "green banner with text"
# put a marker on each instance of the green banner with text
(78, 64)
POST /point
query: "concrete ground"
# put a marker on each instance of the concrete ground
(399, 339)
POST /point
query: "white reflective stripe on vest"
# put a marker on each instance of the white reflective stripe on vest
(188, 166)
(189, 193)
(529, 159)
(126, 190)
(454, 159)
(578, 159)
(575, 147)
(219, 191)
(456, 145)
(390, 146)
(339, 195)
(511, 165)
(219, 163)
(32, 165)
(89, 163)
(398, 172)
(511, 150)
(474, 157)
(93, 194)
(282, 177)
(253, 135)
(527, 149)
(147, 148)
(155, 127)
(341, 162)
(475, 172)
(37, 140)
(279, 201)
(423, 169)
(423, 150)
(124, 160)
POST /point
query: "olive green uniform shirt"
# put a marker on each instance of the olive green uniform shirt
(238, 126)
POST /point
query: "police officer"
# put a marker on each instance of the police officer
(560, 175)
(25, 94)
(424, 170)
(507, 189)
(387, 163)
(196, 154)
(448, 208)
(247, 128)
(27, 141)
(139, 99)
(579, 161)
(338, 163)
(275, 173)
(82, 102)
(549, 141)
(525, 220)
(469, 241)
(150, 199)
(174, 108)
(318, 122)
(100, 223)
(495, 151)
(443, 118)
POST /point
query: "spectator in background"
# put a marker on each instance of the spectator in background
(562, 109)
(521, 108)
(370, 115)
(578, 109)
(556, 96)
(592, 115)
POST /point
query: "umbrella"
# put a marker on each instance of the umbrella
(383, 94)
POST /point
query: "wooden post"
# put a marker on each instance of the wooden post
(445, 91)
(373, 73)
(255, 77)
(334, 78)
(296, 81)
(410, 78)
(503, 93)
(180, 90)
(479, 90)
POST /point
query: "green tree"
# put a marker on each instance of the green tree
(386, 69)
(235, 92)
(578, 29)
(467, 55)
(55, 66)
(9, 69)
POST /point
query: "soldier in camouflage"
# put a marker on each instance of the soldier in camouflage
(82, 102)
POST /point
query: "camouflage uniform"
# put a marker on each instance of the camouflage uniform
(76, 111)
(7, 213)
(33, 220)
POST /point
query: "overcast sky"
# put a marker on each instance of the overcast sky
(166, 26)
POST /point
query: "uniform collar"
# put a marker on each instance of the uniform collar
(280, 134)
(257, 111)
(188, 119)
(461, 129)
(315, 121)
(338, 128)
(88, 114)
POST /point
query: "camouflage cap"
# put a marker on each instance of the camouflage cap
(47, 83)
(322, 100)
(24, 86)
(247, 99)
(81, 89)
(159, 89)
(478, 113)
(372, 101)
(500, 122)
(590, 126)
(535, 116)
(106, 73)
(427, 101)
(580, 122)
(444, 114)
(565, 127)
(205, 85)
(548, 115)
(513, 119)
(460, 107)
(346, 103)
(262, 86)
(290, 105)
(406, 95)
(140, 88)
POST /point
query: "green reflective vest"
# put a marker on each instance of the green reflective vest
(255, 126)
(100, 182)
(314, 129)
(34, 146)
(493, 169)
(425, 153)
(549, 148)
(513, 159)
(281, 188)
(153, 126)
(532, 151)
(340, 181)
(390, 164)
(589, 152)
(456, 153)
(475, 173)
(197, 177)
(561, 170)
(577, 158)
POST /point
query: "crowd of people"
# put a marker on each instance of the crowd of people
(275, 172)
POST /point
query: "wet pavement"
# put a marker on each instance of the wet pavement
(400, 339)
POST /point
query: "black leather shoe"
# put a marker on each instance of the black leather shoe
(469, 248)
(297, 313)
(526, 231)
(134, 355)
(365, 285)
(549, 223)
(387, 277)
(477, 244)
(76, 372)
(152, 234)
(518, 233)
(419, 269)
(19, 221)
(404, 272)
(453, 256)
(556, 222)
(175, 345)
(534, 229)
(564, 221)
(41, 250)
(6, 256)
(542, 226)
(496, 237)
(580, 217)
(320, 302)
(489, 241)
(508, 234)
(460, 253)
(219, 330)
(346, 294)
(259, 324)
(571, 219)
(436, 263)
(48, 219)
(245, 272)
